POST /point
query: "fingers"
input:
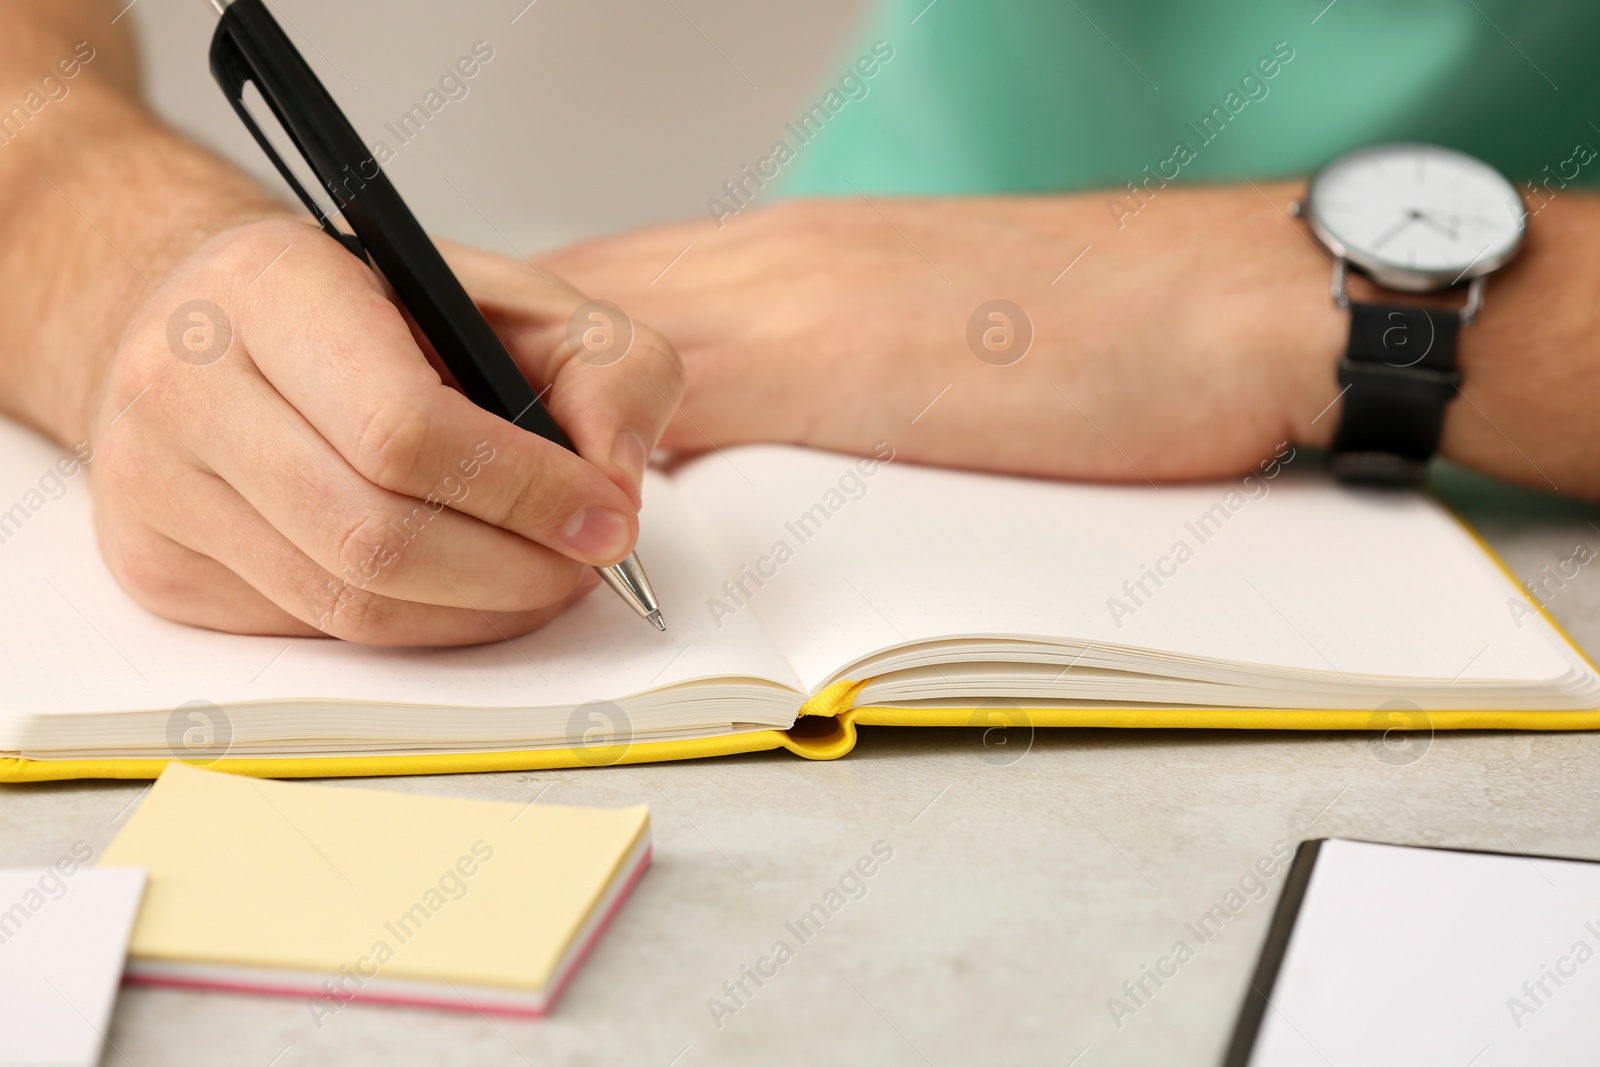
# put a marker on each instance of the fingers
(346, 360)
(656, 262)
(393, 545)
(186, 586)
(616, 412)
(615, 384)
(763, 364)
(256, 581)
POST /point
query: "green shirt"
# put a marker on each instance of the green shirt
(1053, 95)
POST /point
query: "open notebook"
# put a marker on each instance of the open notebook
(847, 590)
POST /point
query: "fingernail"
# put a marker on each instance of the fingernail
(629, 453)
(598, 533)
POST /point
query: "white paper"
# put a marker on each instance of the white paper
(1304, 577)
(63, 937)
(76, 643)
(1406, 957)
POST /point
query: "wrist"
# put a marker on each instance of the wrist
(1313, 396)
(1519, 413)
(83, 254)
(1297, 332)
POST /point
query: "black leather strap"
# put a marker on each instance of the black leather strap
(1400, 373)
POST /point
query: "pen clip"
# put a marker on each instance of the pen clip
(233, 71)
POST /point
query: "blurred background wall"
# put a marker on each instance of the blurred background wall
(592, 116)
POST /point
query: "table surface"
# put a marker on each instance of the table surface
(1025, 886)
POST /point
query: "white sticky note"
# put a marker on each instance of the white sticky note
(63, 938)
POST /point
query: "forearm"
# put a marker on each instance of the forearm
(98, 201)
(1187, 340)
(1529, 409)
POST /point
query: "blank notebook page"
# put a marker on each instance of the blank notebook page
(1409, 957)
(75, 642)
(1308, 576)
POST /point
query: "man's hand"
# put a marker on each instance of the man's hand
(275, 449)
(1153, 355)
(274, 452)
(1186, 341)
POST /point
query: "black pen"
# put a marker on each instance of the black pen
(250, 47)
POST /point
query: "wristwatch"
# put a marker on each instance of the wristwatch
(1414, 218)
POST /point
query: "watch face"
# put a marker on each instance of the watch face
(1415, 216)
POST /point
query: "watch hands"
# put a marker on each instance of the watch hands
(1411, 216)
(1451, 231)
(1449, 227)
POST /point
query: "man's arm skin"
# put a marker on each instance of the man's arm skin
(317, 475)
(97, 201)
(1188, 343)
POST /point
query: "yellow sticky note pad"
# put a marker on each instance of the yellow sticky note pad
(352, 894)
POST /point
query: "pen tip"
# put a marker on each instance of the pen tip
(655, 617)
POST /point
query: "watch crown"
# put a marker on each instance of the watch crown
(1296, 207)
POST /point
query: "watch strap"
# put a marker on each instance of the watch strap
(1398, 375)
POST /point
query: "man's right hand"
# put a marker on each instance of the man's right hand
(274, 452)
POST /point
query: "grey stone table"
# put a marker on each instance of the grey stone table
(1022, 892)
